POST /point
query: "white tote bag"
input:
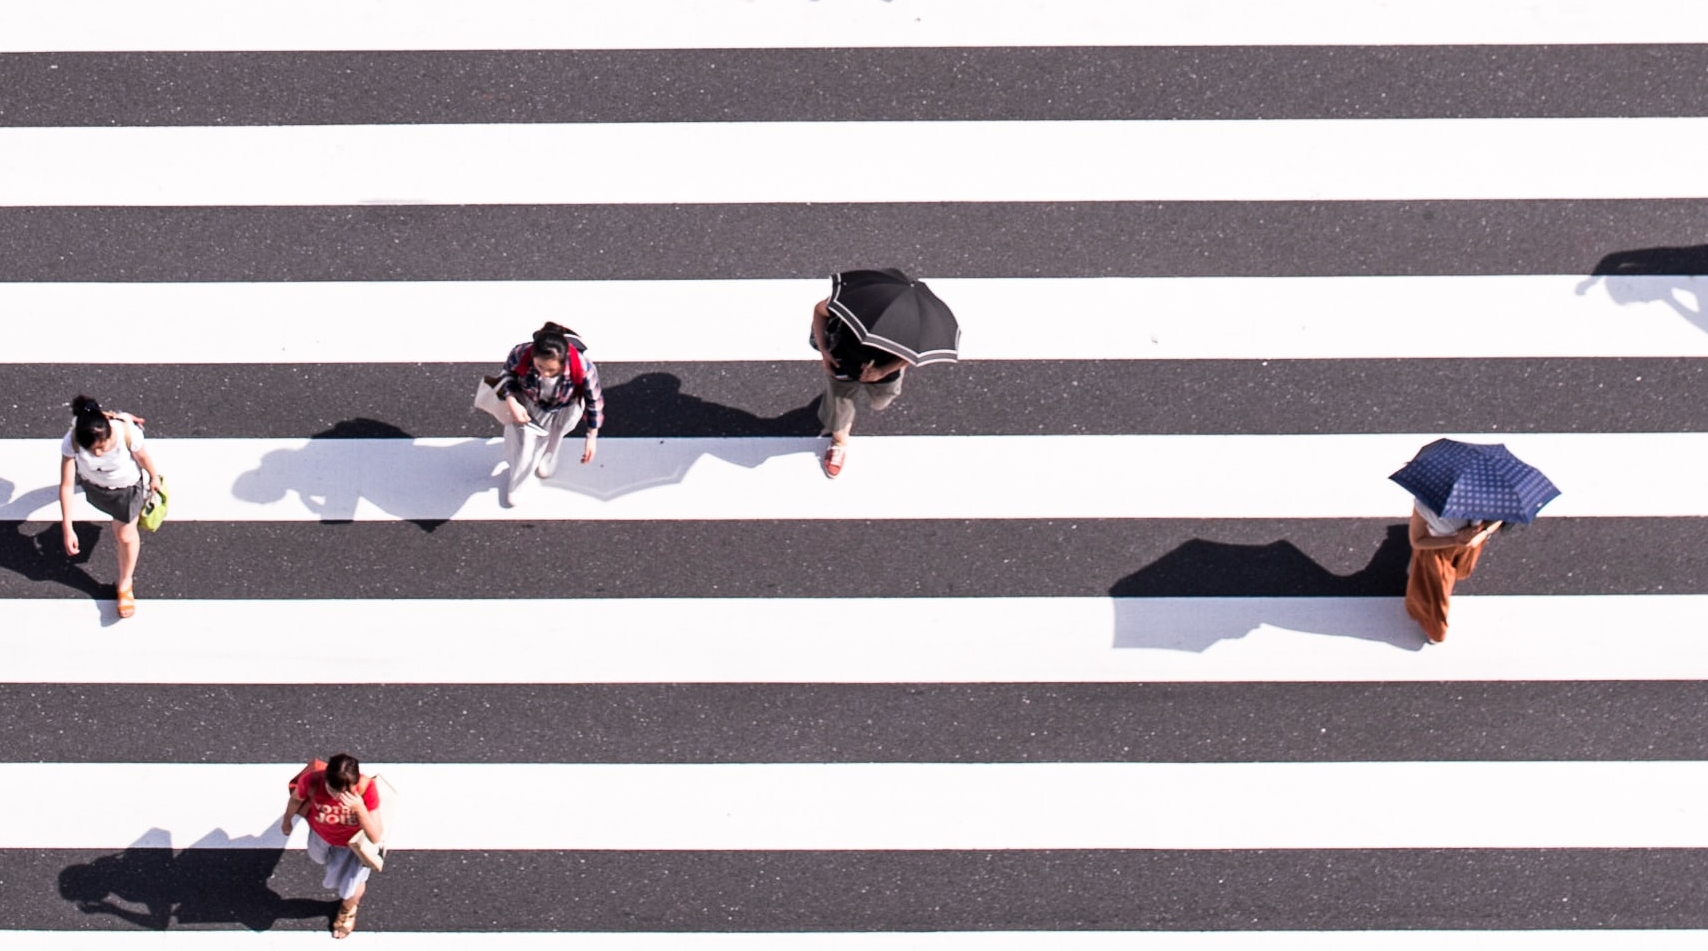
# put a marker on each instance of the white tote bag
(373, 854)
(486, 401)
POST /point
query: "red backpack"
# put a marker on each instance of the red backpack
(577, 346)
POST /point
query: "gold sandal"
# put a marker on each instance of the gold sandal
(345, 922)
(127, 602)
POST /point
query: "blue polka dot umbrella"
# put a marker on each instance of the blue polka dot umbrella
(1478, 481)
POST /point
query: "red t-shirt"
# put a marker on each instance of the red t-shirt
(328, 817)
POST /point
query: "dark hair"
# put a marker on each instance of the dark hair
(342, 772)
(89, 425)
(551, 341)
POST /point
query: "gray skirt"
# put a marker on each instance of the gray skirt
(344, 871)
(124, 505)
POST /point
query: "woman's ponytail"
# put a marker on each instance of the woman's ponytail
(89, 426)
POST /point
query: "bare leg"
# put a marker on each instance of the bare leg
(346, 920)
(128, 548)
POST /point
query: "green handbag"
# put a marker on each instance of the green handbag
(154, 510)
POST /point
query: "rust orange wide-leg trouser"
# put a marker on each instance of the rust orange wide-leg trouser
(1433, 572)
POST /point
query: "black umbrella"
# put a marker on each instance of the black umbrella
(892, 312)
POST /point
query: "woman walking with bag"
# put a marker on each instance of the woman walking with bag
(338, 802)
(117, 476)
(547, 386)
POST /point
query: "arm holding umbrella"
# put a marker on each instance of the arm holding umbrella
(1464, 537)
(870, 372)
(874, 371)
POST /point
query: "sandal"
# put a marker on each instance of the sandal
(127, 602)
(833, 459)
(345, 922)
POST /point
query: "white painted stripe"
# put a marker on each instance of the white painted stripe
(1589, 940)
(893, 805)
(1286, 476)
(745, 24)
(179, 938)
(1213, 160)
(923, 640)
(1196, 318)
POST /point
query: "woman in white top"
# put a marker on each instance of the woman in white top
(1443, 551)
(108, 461)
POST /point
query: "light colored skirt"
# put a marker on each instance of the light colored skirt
(344, 871)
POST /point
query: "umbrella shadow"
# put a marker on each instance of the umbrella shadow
(654, 402)
(1275, 585)
(397, 475)
(219, 880)
(1672, 276)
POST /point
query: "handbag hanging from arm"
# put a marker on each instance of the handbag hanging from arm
(486, 400)
(373, 854)
(154, 509)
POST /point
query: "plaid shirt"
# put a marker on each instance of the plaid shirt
(521, 380)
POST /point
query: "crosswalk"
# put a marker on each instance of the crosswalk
(1097, 639)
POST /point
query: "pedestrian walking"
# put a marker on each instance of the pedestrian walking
(1463, 493)
(1444, 551)
(548, 385)
(872, 327)
(338, 802)
(104, 455)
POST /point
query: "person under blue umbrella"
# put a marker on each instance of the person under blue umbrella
(1464, 493)
(1443, 551)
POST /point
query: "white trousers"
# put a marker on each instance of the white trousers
(525, 449)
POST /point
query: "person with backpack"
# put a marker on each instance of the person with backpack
(117, 475)
(338, 802)
(548, 386)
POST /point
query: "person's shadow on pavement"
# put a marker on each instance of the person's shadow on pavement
(1204, 592)
(398, 475)
(404, 477)
(208, 885)
(1656, 275)
(35, 551)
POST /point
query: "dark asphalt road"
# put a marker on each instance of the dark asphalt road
(1060, 397)
(849, 558)
(844, 85)
(861, 723)
(1081, 890)
(703, 242)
